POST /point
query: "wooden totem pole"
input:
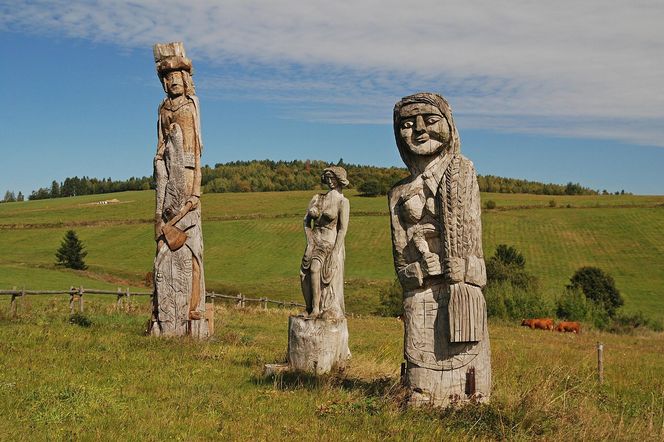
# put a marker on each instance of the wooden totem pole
(179, 283)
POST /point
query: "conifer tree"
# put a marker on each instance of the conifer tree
(10, 197)
(71, 253)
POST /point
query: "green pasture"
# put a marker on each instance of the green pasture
(138, 206)
(61, 381)
(628, 243)
(254, 242)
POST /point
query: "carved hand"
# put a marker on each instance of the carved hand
(158, 225)
(430, 264)
(454, 269)
(193, 200)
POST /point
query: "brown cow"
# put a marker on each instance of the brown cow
(540, 323)
(571, 327)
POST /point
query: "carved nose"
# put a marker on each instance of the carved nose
(419, 123)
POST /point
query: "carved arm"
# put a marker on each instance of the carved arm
(342, 223)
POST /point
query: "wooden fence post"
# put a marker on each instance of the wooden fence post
(600, 362)
(14, 309)
(119, 301)
(72, 291)
(128, 303)
(264, 303)
(80, 299)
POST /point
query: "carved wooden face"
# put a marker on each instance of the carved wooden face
(174, 83)
(424, 129)
(330, 179)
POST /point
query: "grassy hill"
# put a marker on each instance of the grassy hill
(254, 242)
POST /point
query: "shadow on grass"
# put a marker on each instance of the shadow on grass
(80, 319)
(383, 387)
(291, 380)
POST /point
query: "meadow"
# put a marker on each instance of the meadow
(107, 381)
(254, 242)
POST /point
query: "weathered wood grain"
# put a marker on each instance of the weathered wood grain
(437, 248)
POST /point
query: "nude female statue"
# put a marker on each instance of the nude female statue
(325, 226)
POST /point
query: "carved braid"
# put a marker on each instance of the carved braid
(475, 224)
(459, 205)
(466, 228)
(445, 212)
(452, 205)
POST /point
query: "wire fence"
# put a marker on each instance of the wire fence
(76, 296)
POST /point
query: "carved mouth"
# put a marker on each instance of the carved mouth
(422, 138)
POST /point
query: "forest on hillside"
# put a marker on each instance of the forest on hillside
(268, 175)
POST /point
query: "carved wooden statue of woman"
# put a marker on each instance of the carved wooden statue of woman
(179, 298)
(437, 247)
(325, 226)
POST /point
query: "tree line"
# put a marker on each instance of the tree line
(268, 175)
(11, 197)
(76, 186)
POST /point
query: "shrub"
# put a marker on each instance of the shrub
(498, 272)
(552, 203)
(391, 300)
(627, 323)
(495, 301)
(509, 255)
(512, 292)
(598, 287)
(71, 253)
(371, 188)
(527, 304)
(80, 319)
(491, 204)
(506, 301)
(508, 265)
(573, 305)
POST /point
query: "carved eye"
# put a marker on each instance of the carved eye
(407, 124)
(433, 119)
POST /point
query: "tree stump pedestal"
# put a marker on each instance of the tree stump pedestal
(317, 346)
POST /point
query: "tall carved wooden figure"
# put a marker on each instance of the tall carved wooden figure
(437, 247)
(179, 283)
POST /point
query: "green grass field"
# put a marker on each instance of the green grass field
(254, 242)
(61, 381)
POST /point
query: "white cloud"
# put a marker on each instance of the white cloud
(590, 68)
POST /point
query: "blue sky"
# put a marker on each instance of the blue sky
(556, 93)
